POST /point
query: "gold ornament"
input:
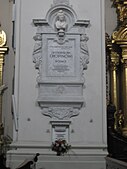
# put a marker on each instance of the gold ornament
(2, 38)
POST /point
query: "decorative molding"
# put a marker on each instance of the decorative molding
(2, 38)
(59, 2)
(120, 36)
(114, 60)
(60, 113)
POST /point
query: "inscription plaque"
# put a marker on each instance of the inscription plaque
(60, 130)
(61, 58)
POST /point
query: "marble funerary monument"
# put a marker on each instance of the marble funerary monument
(59, 83)
(61, 55)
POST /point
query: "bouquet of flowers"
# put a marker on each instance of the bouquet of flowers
(60, 147)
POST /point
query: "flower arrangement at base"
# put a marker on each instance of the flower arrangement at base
(60, 147)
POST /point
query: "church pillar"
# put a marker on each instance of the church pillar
(63, 100)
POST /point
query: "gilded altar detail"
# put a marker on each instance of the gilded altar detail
(118, 62)
(121, 9)
(3, 50)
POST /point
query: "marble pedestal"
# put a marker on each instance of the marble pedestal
(93, 158)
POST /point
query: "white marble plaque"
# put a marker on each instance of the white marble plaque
(61, 58)
(60, 133)
(60, 130)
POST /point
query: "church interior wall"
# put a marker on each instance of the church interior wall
(29, 114)
(6, 17)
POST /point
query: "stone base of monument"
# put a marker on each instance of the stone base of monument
(82, 157)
